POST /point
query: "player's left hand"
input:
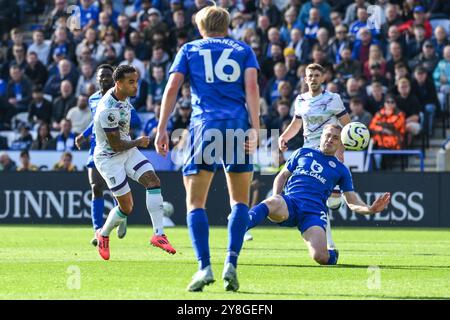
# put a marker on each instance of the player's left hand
(252, 142)
(79, 141)
(380, 203)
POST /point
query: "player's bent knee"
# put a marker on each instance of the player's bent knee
(150, 180)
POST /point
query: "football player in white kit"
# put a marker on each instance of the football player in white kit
(313, 110)
(117, 157)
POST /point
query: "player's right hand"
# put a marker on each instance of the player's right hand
(79, 140)
(143, 141)
(162, 143)
(282, 143)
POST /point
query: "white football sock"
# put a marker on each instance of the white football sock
(154, 201)
(115, 217)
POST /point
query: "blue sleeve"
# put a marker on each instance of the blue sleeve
(292, 162)
(88, 131)
(180, 63)
(251, 61)
(135, 121)
(345, 182)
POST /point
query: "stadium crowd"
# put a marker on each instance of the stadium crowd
(388, 60)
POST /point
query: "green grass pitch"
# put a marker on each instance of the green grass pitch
(57, 262)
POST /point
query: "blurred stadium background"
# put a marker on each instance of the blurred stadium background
(373, 51)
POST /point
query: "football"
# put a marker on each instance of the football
(355, 136)
(168, 209)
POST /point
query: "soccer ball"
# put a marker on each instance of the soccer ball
(355, 136)
(168, 209)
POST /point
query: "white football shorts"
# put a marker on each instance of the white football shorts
(116, 169)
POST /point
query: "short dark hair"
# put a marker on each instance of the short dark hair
(122, 70)
(356, 100)
(37, 88)
(24, 153)
(105, 66)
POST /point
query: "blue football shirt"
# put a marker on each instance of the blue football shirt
(216, 68)
(314, 176)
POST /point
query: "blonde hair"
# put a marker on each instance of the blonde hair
(213, 20)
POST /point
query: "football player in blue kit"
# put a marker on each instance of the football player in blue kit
(98, 184)
(225, 97)
(302, 188)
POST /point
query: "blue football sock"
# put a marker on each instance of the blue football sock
(237, 226)
(257, 215)
(197, 222)
(97, 209)
(333, 257)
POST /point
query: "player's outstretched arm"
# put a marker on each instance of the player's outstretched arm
(176, 79)
(355, 204)
(280, 181)
(293, 128)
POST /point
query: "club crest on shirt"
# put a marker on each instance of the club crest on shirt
(332, 164)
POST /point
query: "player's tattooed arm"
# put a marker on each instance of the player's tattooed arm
(280, 181)
(118, 145)
(357, 205)
(293, 128)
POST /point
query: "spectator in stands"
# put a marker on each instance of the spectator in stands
(336, 19)
(282, 108)
(338, 43)
(182, 116)
(35, 69)
(393, 18)
(40, 46)
(358, 113)
(65, 163)
(388, 126)
(160, 58)
(396, 56)
(88, 14)
(44, 140)
(87, 77)
(400, 71)
(375, 59)
(271, 92)
(439, 9)
(64, 73)
(6, 163)
(238, 26)
(352, 89)
(290, 17)
(361, 22)
(156, 88)
(65, 140)
(142, 14)
(108, 39)
(109, 57)
(291, 65)
(62, 44)
(376, 99)
(362, 45)
(394, 35)
(180, 25)
(420, 18)
(410, 105)
(80, 116)
(130, 59)
(440, 40)
(347, 67)
(62, 104)
(441, 76)
(154, 24)
(414, 44)
(267, 8)
(351, 11)
(23, 142)
(59, 11)
(89, 41)
(124, 29)
(86, 57)
(25, 162)
(423, 86)
(16, 41)
(262, 29)
(322, 8)
(18, 90)
(376, 74)
(40, 110)
(104, 21)
(428, 58)
(301, 46)
(313, 24)
(140, 48)
(18, 57)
